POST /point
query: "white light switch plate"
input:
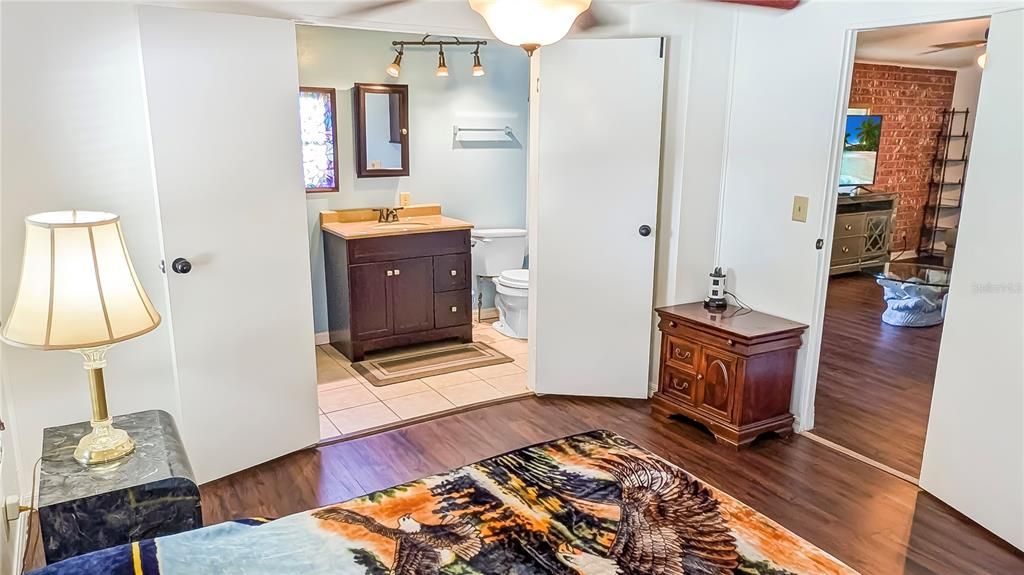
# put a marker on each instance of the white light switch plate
(800, 208)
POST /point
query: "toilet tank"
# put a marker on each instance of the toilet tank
(497, 250)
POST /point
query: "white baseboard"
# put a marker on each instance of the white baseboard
(323, 338)
(18, 541)
(486, 313)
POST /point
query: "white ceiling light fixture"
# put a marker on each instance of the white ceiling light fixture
(530, 23)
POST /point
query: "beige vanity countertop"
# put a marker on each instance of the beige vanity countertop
(362, 223)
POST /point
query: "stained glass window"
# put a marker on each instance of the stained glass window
(319, 139)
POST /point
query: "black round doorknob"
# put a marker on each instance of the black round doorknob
(181, 266)
(645, 230)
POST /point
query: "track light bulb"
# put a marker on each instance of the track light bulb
(442, 68)
(395, 68)
(478, 68)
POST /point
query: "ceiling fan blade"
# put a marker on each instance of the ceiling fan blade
(954, 45)
(365, 8)
(593, 17)
(780, 4)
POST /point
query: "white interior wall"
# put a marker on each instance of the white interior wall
(974, 450)
(74, 135)
(787, 88)
(483, 183)
(699, 46)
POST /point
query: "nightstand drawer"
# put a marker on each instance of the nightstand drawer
(677, 384)
(682, 353)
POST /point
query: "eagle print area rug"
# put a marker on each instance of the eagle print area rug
(590, 504)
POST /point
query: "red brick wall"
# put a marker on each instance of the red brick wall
(910, 101)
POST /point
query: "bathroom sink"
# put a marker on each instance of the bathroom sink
(399, 225)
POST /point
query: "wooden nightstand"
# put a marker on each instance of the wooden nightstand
(732, 370)
(149, 493)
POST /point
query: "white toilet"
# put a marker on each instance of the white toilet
(499, 254)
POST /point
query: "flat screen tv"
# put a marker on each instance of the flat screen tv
(860, 150)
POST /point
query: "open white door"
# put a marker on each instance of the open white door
(223, 106)
(974, 450)
(595, 207)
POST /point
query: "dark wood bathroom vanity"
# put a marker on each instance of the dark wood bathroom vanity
(397, 284)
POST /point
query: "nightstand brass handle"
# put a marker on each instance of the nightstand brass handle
(677, 385)
(681, 355)
(391, 273)
(671, 324)
(846, 250)
(730, 342)
(848, 227)
(398, 272)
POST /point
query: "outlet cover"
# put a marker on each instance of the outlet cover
(403, 199)
(800, 208)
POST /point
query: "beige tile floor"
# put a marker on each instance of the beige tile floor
(350, 405)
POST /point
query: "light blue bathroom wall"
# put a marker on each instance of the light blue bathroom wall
(482, 183)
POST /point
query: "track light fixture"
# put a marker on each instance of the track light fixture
(395, 68)
(442, 67)
(478, 68)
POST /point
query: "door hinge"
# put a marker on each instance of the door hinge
(819, 244)
(661, 49)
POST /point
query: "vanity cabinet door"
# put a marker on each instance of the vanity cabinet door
(412, 295)
(371, 300)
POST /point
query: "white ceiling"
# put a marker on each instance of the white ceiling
(414, 16)
(905, 44)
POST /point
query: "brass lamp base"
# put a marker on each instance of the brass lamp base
(105, 443)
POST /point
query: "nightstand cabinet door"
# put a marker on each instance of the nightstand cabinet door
(716, 383)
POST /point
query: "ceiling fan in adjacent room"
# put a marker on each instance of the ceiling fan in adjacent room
(963, 44)
(531, 24)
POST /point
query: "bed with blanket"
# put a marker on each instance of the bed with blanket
(592, 504)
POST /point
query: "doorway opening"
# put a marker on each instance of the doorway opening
(913, 97)
(414, 326)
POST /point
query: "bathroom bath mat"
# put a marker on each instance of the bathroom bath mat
(410, 364)
(590, 504)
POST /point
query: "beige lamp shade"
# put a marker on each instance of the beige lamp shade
(78, 287)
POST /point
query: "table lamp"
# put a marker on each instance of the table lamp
(79, 292)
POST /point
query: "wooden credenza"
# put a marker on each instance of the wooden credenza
(731, 371)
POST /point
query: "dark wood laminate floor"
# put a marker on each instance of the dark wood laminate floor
(874, 380)
(869, 519)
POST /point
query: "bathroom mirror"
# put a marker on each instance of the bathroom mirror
(382, 130)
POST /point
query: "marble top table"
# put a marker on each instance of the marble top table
(149, 493)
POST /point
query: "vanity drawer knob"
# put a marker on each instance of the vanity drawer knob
(454, 309)
(391, 273)
(848, 227)
(846, 249)
(730, 342)
(700, 377)
(454, 273)
(672, 324)
(398, 272)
